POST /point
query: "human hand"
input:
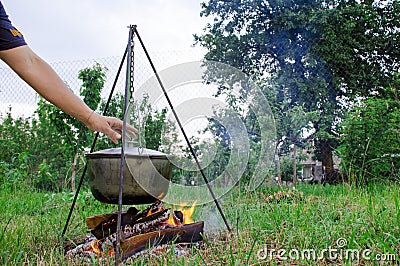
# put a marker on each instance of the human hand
(110, 126)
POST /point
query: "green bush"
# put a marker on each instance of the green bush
(38, 152)
(370, 142)
(26, 144)
(45, 178)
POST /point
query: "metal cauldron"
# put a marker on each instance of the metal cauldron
(146, 175)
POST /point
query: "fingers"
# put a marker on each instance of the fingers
(131, 129)
(112, 134)
(131, 133)
(116, 127)
(110, 126)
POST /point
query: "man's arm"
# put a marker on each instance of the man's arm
(41, 77)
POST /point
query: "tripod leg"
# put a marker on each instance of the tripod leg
(93, 145)
(184, 133)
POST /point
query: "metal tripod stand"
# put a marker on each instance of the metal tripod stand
(129, 90)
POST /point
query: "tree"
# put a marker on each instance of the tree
(319, 53)
(297, 123)
(370, 146)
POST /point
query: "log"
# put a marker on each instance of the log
(187, 233)
(108, 225)
(94, 221)
(153, 208)
(154, 222)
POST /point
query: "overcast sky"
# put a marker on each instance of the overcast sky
(60, 30)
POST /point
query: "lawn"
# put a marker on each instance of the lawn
(340, 224)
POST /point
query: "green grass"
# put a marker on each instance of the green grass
(310, 217)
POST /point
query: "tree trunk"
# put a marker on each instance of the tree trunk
(326, 157)
(294, 165)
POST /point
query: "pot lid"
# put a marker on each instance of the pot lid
(128, 151)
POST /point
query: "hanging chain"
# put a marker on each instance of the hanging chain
(132, 68)
(132, 89)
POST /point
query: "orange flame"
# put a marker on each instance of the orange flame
(149, 213)
(172, 221)
(187, 215)
(111, 252)
(95, 246)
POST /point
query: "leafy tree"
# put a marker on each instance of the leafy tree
(13, 135)
(288, 167)
(370, 146)
(318, 52)
(154, 128)
(295, 123)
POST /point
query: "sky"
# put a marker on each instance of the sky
(79, 29)
(65, 31)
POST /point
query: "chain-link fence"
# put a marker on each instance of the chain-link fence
(195, 101)
(20, 99)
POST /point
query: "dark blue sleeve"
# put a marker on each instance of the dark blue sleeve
(10, 37)
(3, 14)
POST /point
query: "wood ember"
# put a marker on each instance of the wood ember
(185, 233)
(138, 228)
(105, 225)
(150, 228)
(82, 250)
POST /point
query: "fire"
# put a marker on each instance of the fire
(111, 252)
(150, 212)
(187, 215)
(95, 246)
(172, 221)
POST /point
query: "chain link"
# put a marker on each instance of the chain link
(132, 89)
(132, 68)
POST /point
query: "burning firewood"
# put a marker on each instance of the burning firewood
(104, 225)
(108, 225)
(151, 227)
(94, 221)
(187, 233)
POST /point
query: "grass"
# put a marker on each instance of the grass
(309, 217)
